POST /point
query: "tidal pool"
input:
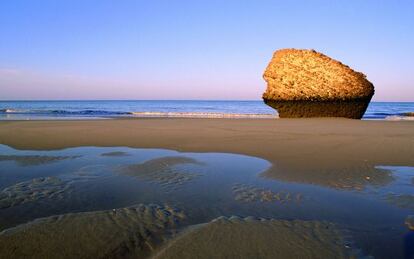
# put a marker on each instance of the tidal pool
(146, 202)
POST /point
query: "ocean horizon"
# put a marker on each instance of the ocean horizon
(96, 109)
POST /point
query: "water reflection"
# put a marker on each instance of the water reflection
(367, 204)
(352, 177)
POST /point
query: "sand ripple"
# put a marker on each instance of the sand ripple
(32, 190)
(34, 160)
(258, 238)
(126, 232)
(163, 171)
(248, 193)
(405, 201)
(354, 177)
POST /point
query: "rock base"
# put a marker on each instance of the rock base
(352, 109)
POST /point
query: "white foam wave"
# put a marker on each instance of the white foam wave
(8, 111)
(201, 115)
(399, 118)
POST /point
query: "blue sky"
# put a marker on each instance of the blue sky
(193, 49)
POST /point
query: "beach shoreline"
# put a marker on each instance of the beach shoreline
(306, 144)
(343, 156)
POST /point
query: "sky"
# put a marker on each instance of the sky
(101, 49)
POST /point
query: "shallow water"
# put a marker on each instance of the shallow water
(369, 205)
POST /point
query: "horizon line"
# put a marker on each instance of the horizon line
(207, 100)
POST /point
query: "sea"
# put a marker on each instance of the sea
(107, 109)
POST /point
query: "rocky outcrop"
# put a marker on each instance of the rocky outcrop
(306, 83)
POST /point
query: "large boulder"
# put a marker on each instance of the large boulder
(306, 83)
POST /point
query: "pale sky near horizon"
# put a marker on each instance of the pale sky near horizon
(193, 49)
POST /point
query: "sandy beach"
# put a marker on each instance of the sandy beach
(311, 170)
(291, 144)
(337, 153)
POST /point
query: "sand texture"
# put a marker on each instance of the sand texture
(327, 152)
(335, 153)
(405, 201)
(163, 171)
(132, 232)
(88, 172)
(248, 193)
(257, 238)
(32, 191)
(352, 177)
(34, 160)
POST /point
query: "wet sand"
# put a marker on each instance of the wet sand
(236, 237)
(143, 231)
(163, 171)
(132, 232)
(294, 146)
(336, 153)
(32, 190)
(248, 193)
(34, 160)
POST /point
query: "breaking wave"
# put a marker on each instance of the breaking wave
(65, 112)
(106, 113)
(201, 115)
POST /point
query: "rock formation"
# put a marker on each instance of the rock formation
(409, 114)
(305, 83)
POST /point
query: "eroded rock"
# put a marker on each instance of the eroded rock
(306, 83)
(409, 114)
